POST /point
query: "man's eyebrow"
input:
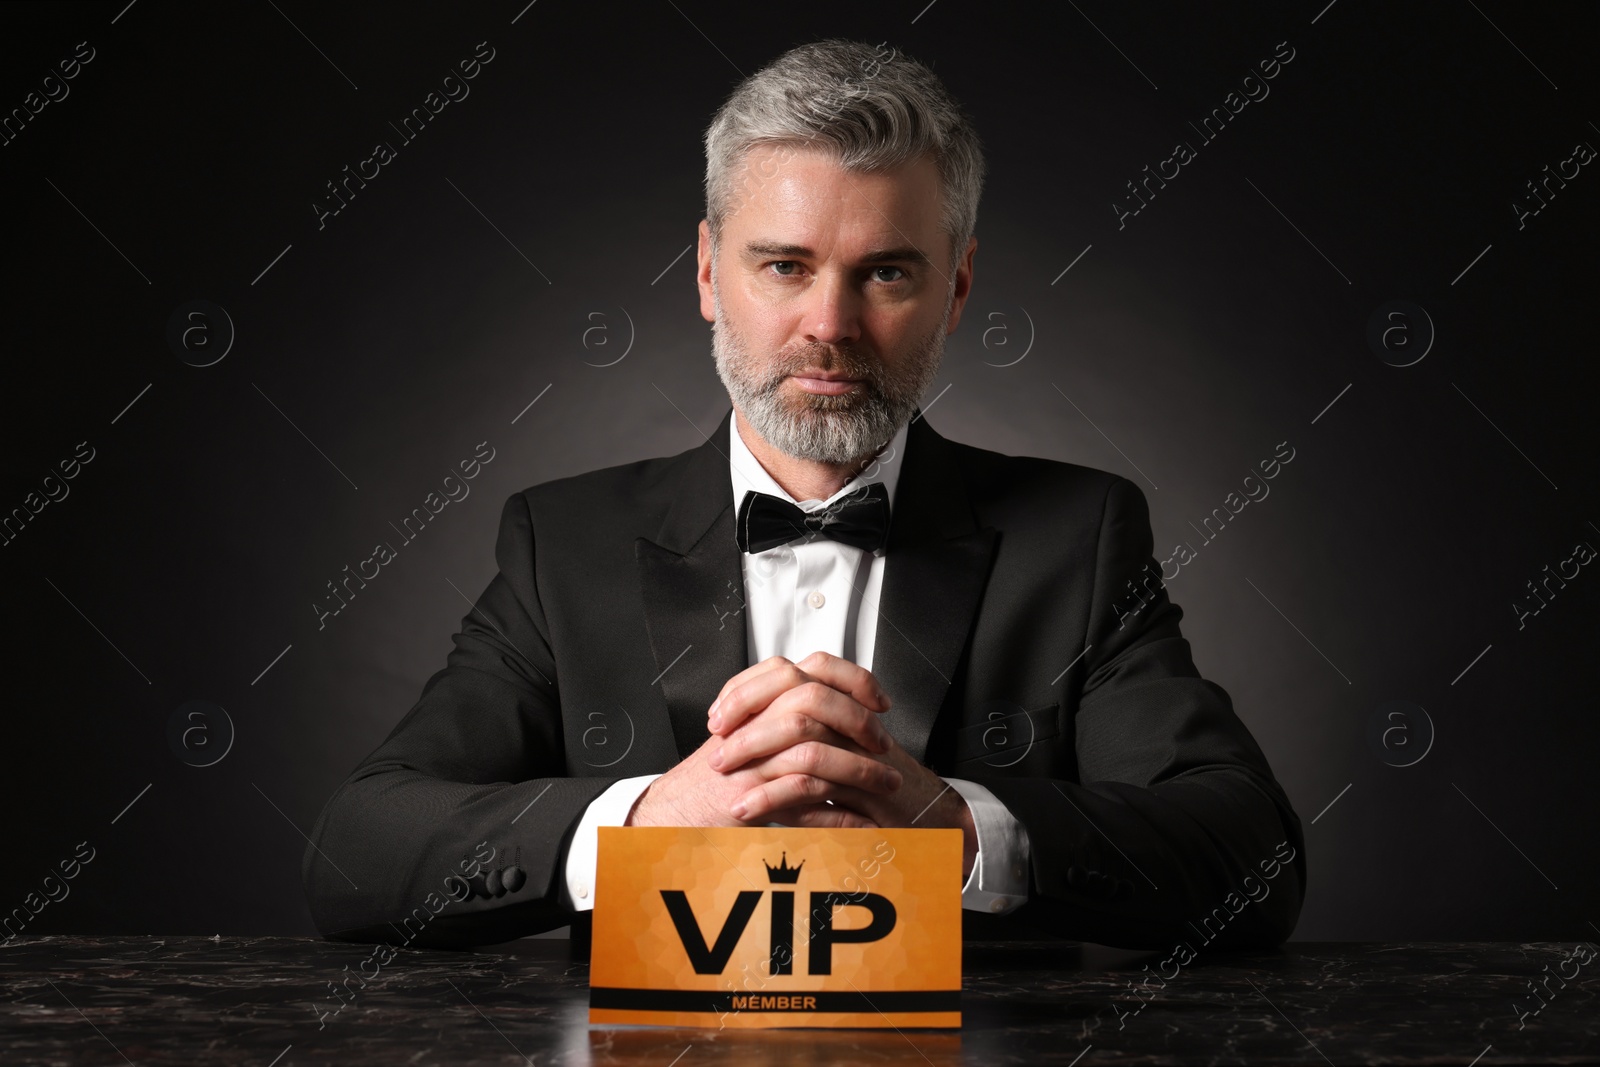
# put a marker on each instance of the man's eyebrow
(906, 254)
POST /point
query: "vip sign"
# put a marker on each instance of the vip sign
(748, 927)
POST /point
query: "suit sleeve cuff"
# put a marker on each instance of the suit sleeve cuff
(610, 808)
(999, 880)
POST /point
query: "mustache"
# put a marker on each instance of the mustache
(852, 363)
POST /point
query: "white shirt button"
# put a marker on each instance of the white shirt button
(998, 904)
(583, 892)
(816, 599)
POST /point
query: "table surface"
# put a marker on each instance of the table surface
(198, 1000)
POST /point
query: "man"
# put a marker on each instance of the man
(826, 615)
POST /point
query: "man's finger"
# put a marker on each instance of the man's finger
(752, 690)
(812, 712)
(823, 816)
(752, 671)
(797, 789)
(835, 765)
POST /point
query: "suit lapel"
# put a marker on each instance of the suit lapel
(936, 568)
(937, 564)
(692, 582)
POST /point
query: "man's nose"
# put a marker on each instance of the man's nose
(833, 312)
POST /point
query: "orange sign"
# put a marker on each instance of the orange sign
(764, 927)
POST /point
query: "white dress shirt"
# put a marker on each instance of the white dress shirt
(799, 598)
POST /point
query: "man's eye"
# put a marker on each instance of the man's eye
(788, 268)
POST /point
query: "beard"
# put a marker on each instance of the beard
(826, 429)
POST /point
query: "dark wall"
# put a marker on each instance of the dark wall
(509, 254)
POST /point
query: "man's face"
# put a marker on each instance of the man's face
(830, 298)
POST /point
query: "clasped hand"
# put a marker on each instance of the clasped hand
(801, 744)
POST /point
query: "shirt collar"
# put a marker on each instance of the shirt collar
(748, 474)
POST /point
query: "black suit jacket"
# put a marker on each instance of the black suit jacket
(618, 607)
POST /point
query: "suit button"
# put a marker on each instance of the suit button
(1093, 883)
(494, 885)
(512, 878)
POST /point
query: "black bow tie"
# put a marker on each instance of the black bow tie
(860, 518)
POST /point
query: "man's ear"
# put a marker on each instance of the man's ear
(702, 275)
(963, 284)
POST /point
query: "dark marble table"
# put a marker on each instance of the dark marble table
(265, 1001)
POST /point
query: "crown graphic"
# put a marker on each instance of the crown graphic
(783, 874)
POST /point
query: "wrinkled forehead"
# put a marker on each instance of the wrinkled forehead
(801, 195)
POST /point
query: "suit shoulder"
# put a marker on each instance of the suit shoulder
(629, 485)
(995, 475)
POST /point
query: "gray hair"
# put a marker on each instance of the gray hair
(872, 108)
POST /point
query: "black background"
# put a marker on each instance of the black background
(458, 286)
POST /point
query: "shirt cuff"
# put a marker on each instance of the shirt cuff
(610, 808)
(998, 883)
